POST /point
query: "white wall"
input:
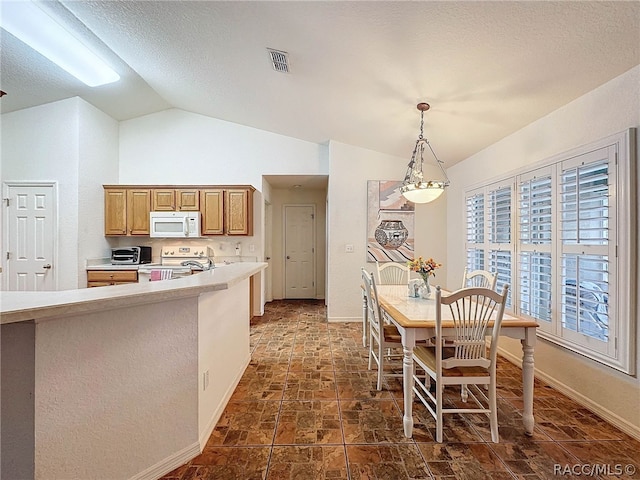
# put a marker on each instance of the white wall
(178, 147)
(350, 168)
(609, 109)
(97, 165)
(63, 142)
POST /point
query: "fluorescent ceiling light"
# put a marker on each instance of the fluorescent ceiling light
(26, 21)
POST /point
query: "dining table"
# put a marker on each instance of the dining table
(415, 319)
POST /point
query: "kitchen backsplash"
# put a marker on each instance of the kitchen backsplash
(223, 248)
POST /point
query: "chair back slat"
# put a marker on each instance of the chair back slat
(472, 310)
(392, 273)
(479, 278)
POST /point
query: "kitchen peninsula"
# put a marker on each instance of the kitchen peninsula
(125, 381)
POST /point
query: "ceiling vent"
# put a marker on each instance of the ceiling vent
(279, 60)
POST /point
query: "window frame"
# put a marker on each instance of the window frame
(619, 351)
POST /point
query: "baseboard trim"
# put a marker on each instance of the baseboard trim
(170, 463)
(344, 319)
(608, 416)
(206, 433)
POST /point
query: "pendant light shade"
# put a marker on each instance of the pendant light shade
(414, 187)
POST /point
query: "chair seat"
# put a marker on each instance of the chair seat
(391, 334)
(427, 356)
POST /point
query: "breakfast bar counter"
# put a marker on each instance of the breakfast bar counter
(124, 381)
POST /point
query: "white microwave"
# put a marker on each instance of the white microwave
(175, 224)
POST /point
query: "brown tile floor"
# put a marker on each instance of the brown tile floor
(307, 408)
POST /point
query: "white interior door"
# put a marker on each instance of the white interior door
(30, 224)
(299, 235)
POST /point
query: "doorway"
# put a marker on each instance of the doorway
(30, 240)
(299, 251)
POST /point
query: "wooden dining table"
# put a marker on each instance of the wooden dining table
(416, 320)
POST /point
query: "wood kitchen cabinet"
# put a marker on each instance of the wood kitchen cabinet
(126, 211)
(227, 211)
(163, 200)
(175, 199)
(212, 209)
(238, 211)
(101, 278)
(187, 200)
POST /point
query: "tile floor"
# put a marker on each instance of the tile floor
(307, 408)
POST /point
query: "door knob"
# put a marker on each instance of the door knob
(288, 257)
(47, 266)
(268, 258)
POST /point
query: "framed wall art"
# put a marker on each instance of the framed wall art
(390, 222)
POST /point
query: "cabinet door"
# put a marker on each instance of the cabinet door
(115, 211)
(138, 207)
(188, 200)
(164, 200)
(212, 208)
(238, 211)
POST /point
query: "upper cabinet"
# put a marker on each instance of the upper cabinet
(126, 211)
(238, 211)
(225, 210)
(212, 208)
(187, 200)
(175, 199)
(164, 200)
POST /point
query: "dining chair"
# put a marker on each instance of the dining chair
(392, 273)
(383, 336)
(479, 278)
(464, 360)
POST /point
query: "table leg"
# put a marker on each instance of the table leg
(365, 319)
(408, 342)
(528, 344)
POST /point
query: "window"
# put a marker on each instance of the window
(475, 232)
(562, 236)
(499, 222)
(535, 223)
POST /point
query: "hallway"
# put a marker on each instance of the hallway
(306, 408)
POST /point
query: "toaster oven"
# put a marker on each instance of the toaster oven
(130, 255)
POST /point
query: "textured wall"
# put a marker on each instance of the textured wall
(120, 384)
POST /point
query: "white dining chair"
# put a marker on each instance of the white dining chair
(383, 336)
(463, 361)
(479, 278)
(392, 273)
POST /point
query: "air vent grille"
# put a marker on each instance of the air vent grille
(279, 60)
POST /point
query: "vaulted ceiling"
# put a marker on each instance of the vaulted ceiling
(357, 68)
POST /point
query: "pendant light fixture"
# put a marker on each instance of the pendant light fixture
(414, 187)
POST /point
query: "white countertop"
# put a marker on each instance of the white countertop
(24, 306)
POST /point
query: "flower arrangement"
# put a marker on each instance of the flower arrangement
(423, 267)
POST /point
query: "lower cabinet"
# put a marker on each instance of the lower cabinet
(102, 278)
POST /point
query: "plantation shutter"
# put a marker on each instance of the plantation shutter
(535, 197)
(585, 270)
(475, 232)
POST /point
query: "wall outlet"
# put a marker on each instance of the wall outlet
(348, 248)
(252, 248)
(205, 380)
